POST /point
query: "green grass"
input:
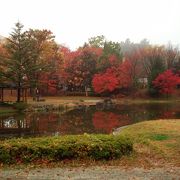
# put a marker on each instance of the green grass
(159, 137)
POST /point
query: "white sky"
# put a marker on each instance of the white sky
(74, 21)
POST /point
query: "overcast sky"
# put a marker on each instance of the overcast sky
(74, 21)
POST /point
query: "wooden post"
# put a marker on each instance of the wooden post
(86, 91)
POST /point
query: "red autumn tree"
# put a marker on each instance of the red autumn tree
(105, 82)
(80, 67)
(114, 78)
(166, 82)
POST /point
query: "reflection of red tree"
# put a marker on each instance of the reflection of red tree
(108, 120)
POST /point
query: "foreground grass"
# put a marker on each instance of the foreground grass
(157, 140)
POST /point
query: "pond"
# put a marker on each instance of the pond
(84, 120)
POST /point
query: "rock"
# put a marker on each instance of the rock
(106, 104)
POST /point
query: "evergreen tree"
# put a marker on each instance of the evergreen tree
(157, 68)
(16, 59)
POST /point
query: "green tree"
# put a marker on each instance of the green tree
(97, 41)
(110, 50)
(29, 54)
(157, 68)
(88, 66)
(154, 64)
(14, 63)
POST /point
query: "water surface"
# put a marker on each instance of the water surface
(84, 120)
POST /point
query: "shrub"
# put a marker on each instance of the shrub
(20, 106)
(64, 147)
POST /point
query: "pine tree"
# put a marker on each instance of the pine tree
(15, 62)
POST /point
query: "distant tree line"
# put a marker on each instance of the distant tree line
(32, 59)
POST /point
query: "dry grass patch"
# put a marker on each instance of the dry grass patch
(156, 139)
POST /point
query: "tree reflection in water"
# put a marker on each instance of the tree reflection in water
(107, 121)
(88, 120)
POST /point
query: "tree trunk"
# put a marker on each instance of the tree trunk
(19, 93)
(2, 94)
(25, 95)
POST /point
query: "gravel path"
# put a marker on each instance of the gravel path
(88, 173)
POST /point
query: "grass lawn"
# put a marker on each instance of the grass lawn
(66, 100)
(155, 142)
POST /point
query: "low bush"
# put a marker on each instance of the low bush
(20, 106)
(64, 147)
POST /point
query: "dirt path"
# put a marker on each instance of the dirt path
(88, 173)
